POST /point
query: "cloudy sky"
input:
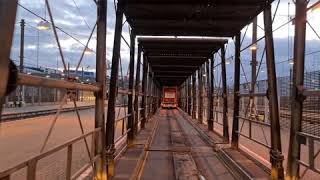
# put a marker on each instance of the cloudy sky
(77, 18)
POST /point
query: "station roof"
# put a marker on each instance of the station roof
(172, 60)
(223, 18)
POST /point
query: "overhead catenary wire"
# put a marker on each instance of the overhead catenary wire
(57, 27)
(74, 2)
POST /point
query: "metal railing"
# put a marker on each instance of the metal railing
(31, 163)
(309, 140)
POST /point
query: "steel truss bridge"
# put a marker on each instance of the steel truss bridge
(204, 134)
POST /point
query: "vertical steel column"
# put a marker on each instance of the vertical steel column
(137, 92)
(186, 86)
(21, 65)
(225, 96)
(8, 11)
(151, 97)
(276, 156)
(100, 140)
(157, 96)
(154, 97)
(149, 82)
(200, 87)
(296, 94)
(130, 126)
(236, 88)
(211, 96)
(194, 96)
(113, 88)
(189, 96)
(147, 93)
(144, 91)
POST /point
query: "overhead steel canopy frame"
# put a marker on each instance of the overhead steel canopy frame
(173, 60)
(192, 17)
(178, 52)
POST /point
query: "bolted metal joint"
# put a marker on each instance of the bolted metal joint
(276, 159)
(110, 155)
(300, 97)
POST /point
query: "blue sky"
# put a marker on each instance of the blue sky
(77, 17)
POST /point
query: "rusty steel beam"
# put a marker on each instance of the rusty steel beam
(189, 96)
(130, 126)
(276, 156)
(113, 88)
(154, 107)
(144, 91)
(100, 171)
(236, 88)
(31, 80)
(194, 96)
(224, 95)
(137, 91)
(148, 91)
(211, 96)
(296, 97)
(8, 9)
(186, 86)
(200, 95)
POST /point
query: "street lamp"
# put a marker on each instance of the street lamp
(88, 51)
(253, 47)
(43, 25)
(228, 61)
(291, 62)
(316, 9)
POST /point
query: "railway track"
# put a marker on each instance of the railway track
(178, 152)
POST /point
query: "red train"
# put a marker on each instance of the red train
(170, 97)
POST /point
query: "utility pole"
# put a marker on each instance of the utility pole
(21, 89)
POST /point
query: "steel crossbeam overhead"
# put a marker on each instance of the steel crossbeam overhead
(193, 17)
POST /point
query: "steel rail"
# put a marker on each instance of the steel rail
(236, 169)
